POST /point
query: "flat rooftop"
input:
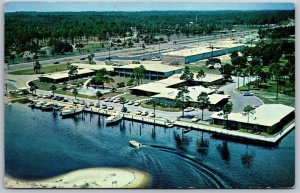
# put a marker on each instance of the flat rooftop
(265, 115)
(208, 77)
(93, 66)
(171, 93)
(158, 86)
(64, 74)
(154, 67)
(203, 49)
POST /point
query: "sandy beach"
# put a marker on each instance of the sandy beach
(87, 178)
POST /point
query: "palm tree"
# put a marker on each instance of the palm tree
(53, 88)
(75, 92)
(72, 72)
(122, 101)
(203, 101)
(181, 98)
(99, 94)
(37, 67)
(249, 110)
(201, 74)
(226, 111)
(154, 105)
(90, 58)
(238, 73)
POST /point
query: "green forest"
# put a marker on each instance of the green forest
(29, 31)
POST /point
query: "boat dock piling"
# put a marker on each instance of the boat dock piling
(156, 121)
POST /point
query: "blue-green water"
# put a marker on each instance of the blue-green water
(41, 144)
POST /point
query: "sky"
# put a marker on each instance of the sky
(141, 6)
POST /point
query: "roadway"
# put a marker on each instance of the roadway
(123, 54)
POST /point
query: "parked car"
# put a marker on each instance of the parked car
(130, 102)
(136, 103)
(111, 100)
(144, 113)
(103, 106)
(138, 112)
(45, 96)
(76, 101)
(189, 109)
(117, 100)
(66, 99)
(151, 115)
(107, 100)
(110, 107)
(195, 119)
(82, 58)
(82, 102)
(91, 103)
(102, 98)
(40, 96)
(248, 94)
(57, 62)
(97, 105)
(219, 92)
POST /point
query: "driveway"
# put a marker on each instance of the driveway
(238, 100)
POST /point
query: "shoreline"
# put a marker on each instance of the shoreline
(86, 178)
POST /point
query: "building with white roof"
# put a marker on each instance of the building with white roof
(189, 55)
(153, 71)
(268, 117)
(209, 79)
(168, 95)
(94, 67)
(64, 76)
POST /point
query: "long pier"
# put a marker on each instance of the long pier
(219, 132)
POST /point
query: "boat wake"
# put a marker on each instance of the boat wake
(211, 176)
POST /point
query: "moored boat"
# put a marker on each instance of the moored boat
(113, 119)
(70, 111)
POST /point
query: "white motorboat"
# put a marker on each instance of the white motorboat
(113, 119)
(135, 143)
(70, 111)
(169, 125)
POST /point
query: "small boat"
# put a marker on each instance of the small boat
(39, 104)
(70, 111)
(169, 125)
(134, 143)
(186, 130)
(113, 119)
(47, 107)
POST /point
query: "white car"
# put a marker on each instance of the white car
(138, 112)
(151, 115)
(116, 100)
(195, 119)
(189, 109)
(136, 103)
(103, 106)
(110, 107)
(144, 113)
(107, 100)
(130, 102)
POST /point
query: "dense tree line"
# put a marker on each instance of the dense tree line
(27, 30)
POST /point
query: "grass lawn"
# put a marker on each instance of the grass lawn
(158, 107)
(45, 69)
(268, 95)
(134, 97)
(196, 67)
(112, 94)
